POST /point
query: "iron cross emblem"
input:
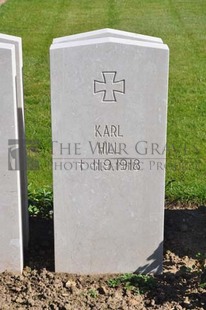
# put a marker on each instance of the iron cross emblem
(109, 86)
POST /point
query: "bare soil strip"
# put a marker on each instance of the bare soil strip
(182, 285)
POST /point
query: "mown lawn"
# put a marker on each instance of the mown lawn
(181, 24)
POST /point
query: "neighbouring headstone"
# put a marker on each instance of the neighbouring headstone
(11, 244)
(17, 42)
(109, 110)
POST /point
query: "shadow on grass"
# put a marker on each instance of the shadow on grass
(185, 231)
(185, 236)
(40, 253)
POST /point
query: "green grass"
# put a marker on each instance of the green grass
(181, 24)
(137, 283)
(40, 202)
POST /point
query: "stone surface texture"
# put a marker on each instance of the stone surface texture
(17, 42)
(11, 256)
(109, 102)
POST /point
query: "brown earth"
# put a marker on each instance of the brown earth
(177, 288)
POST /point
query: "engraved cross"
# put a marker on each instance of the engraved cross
(109, 86)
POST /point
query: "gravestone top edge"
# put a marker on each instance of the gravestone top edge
(7, 46)
(108, 40)
(13, 40)
(108, 31)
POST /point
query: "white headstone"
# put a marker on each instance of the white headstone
(109, 106)
(11, 253)
(17, 42)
